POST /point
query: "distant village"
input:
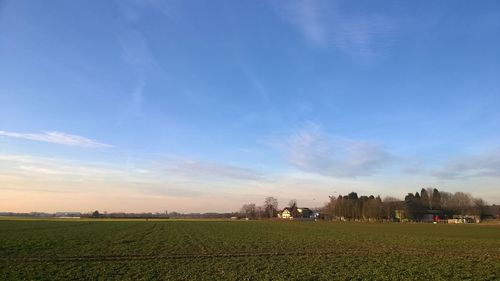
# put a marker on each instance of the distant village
(429, 205)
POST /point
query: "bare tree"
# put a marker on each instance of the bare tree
(249, 211)
(445, 200)
(460, 203)
(480, 207)
(329, 208)
(260, 212)
(271, 207)
(390, 205)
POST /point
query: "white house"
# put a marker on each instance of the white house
(291, 213)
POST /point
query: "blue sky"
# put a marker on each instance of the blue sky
(206, 105)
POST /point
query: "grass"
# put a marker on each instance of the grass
(245, 250)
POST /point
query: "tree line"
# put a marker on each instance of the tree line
(413, 207)
(450, 204)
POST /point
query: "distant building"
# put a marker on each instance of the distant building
(464, 219)
(291, 213)
(68, 214)
(399, 215)
(286, 213)
(432, 216)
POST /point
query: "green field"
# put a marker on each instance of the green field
(246, 250)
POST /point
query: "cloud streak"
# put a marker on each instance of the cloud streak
(197, 168)
(312, 150)
(57, 138)
(30, 167)
(323, 24)
(139, 58)
(190, 185)
(482, 165)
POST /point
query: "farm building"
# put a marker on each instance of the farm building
(464, 219)
(399, 215)
(296, 213)
(432, 216)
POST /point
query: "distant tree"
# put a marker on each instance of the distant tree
(271, 207)
(293, 206)
(96, 214)
(260, 212)
(329, 208)
(249, 211)
(174, 214)
(339, 207)
(436, 199)
(363, 208)
(372, 208)
(445, 202)
(352, 207)
(391, 199)
(480, 207)
(378, 208)
(409, 197)
(460, 203)
(495, 211)
(390, 205)
(352, 196)
(424, 199)
(413, 206)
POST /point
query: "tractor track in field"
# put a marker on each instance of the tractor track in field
(103, 258)
(158, 257)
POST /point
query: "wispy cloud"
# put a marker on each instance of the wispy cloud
(31, 167)
(140, 60)
(35, 174)
(131, 9)
(324, 24)
(136, 51)
(482, 165)
(256, 83)
(135, 10)
(312, 150)
(197, 168)
(414, 166)
(57, 138)
(307, 17)
(186, 185)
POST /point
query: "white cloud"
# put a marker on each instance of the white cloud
(312, 150)
(481, 165)
(58, 138)
(324, 24)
